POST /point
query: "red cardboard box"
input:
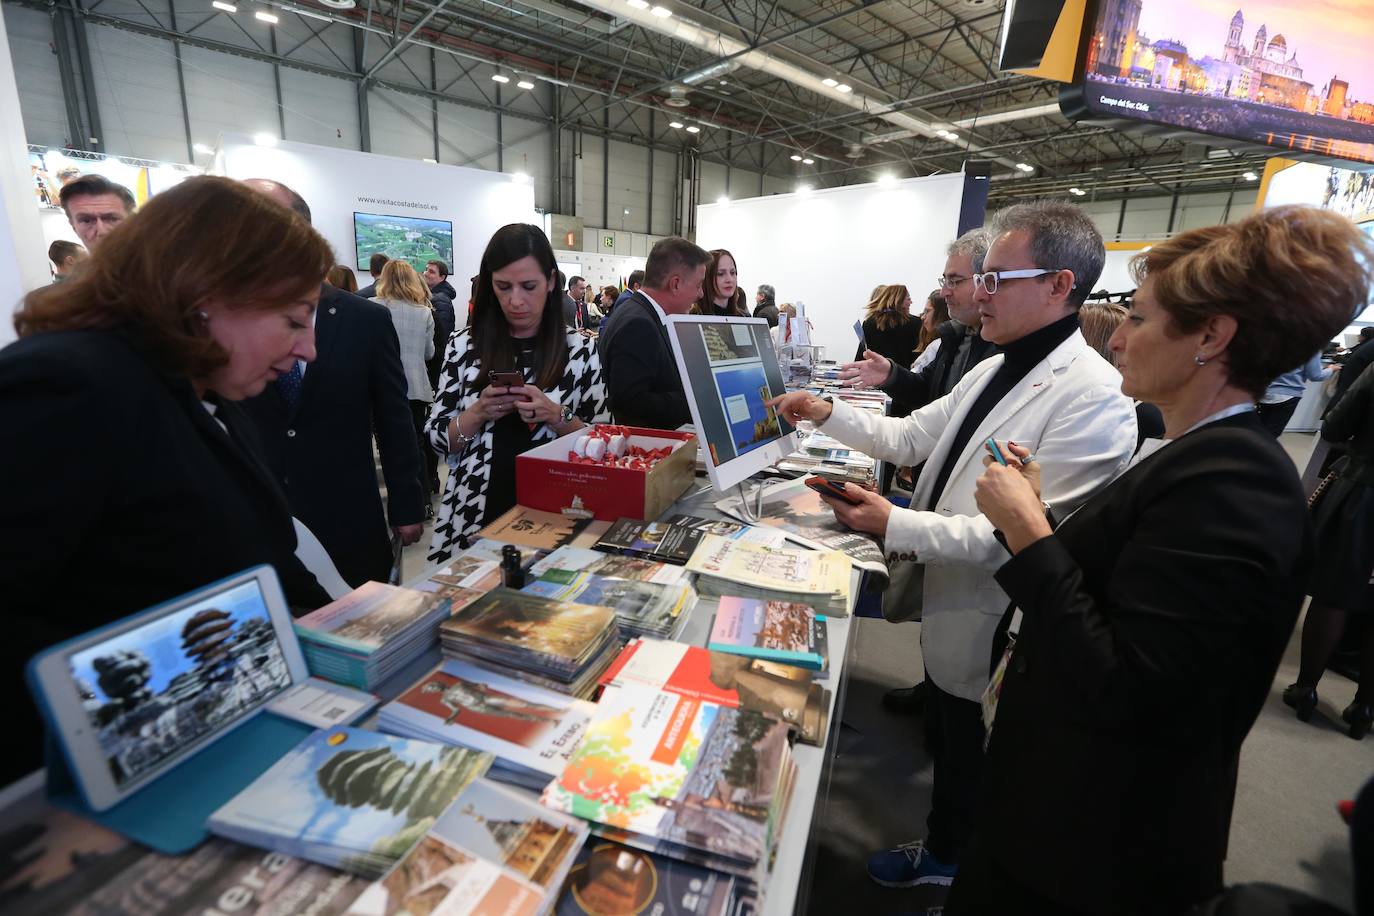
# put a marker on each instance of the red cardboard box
(544, 479)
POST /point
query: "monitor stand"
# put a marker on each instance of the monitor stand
(751, 503)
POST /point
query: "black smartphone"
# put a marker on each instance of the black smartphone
(510, 379)
(827, 487)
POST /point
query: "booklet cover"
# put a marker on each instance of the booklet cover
(369, 617)
(585, 560)
(675, 768)
(520, 723)
(353, 799)
(640, 607)
(784, 631)
(533, 528)
(610, 878)
(782, 691)
(781, 569)
(492, 853)
(530, 625)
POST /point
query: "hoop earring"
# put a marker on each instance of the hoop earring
(203, 315)
(1199, 360)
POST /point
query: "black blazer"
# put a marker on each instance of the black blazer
(897, 343)
(937, 378)
(641, 375)
(121, 491)
(321, 452)
(1154, 622)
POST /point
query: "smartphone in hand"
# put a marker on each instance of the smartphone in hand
(995, 450)
(512, 379)
(827, 487)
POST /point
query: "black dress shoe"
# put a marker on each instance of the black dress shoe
(1360, 717)
(906, 701)
(1303, 699)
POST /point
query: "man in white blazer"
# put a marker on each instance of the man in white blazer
(1049, 391)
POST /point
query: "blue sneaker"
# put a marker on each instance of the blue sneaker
(909, 865)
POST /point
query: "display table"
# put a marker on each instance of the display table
(78, 853)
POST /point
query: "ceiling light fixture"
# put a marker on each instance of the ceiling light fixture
(520, 177)
(638, 4)
(430, 161)
(808, 161)
(662, 12)
(832, 83)
(525, 84)
(675, 125)
(265, 139)
(887, 179)
(803, 190)
(1077, 192)
(227, 7)
(723, 200)
(1250, 176)
(844, 87)
(265, 16)
(693, 129)
(204, 150)
(1025, 167)
(499, 77)
(796, 158)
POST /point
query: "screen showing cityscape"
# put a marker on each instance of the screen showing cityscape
(417, 241)
(1293, 75)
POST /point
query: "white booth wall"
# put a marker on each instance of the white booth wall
(831, 247)
(337, 182)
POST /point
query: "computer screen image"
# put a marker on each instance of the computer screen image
(151, 692)
(407, 238)
(729, 372)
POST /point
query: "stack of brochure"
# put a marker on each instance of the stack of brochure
(554, 644)
(371, 633)
(532, 731)
(680, 777)
(610, 877)
(493, 852)
(819, 578)
(641, 608)
(351, 799)
(676, 538)
(776, 630)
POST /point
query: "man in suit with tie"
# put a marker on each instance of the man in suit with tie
(317, 425)
(642, 380)
(1049, 391)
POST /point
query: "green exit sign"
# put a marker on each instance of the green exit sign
(608, 241)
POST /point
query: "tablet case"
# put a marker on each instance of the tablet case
(169, 813)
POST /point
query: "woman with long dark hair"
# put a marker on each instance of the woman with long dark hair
(517, 326)
(720, 293)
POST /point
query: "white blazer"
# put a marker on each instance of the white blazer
(1070, 412)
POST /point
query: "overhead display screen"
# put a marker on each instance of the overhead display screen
(1296, 76)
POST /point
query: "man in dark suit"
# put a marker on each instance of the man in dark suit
(637, 361)
(317, 425)
(575, 313)
(374, 267)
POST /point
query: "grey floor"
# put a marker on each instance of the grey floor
(1285, 830)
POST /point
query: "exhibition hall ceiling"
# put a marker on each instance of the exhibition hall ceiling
(830, 91)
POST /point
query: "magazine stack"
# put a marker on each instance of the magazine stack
(819, 578)
(351, 799)
(649, 598)
(610, 877)
(553, 644)
(371, 633)
(531, 730)
(492, 852)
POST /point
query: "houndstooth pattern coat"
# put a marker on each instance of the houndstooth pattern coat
(465, 493)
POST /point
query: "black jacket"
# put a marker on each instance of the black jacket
(121, 491)
(897, 343)
(936, 379)
(1356, 361)
(321, 452)
(444, 320)
(768, 312)
(641, 375)
(1154, 622)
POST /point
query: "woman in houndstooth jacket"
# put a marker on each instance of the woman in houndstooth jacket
(517, 326)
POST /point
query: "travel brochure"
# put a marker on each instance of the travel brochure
(670, 767)
(784, 692)
(531, 731)
(676, 538)
(819, 578)
(611, 878)
(347, 798)
(371, 633)
(527, 527)
(800, 513)
(641, 608)
(493, 852)
(783, 631)
(584, 560)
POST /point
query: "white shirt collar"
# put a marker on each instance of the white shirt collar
(662, 315)
(1150, 446)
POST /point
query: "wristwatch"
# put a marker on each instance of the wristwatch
(567, 415)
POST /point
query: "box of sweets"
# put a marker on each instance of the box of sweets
(608, 472)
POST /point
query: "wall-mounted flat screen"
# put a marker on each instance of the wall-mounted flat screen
(409, 238)
(1296, 75)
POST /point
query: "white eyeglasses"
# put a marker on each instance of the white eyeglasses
(990, 280)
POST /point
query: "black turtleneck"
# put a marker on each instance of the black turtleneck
(1018, 358)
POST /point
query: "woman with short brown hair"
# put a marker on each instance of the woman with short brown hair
(1147, 627)
(133, 477)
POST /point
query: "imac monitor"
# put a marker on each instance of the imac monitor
(417, 241)
(729, 372)
(130, 701)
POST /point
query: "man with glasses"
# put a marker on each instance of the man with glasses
(960, 348)
(1049, 392)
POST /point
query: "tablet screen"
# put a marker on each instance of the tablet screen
(153, 691)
